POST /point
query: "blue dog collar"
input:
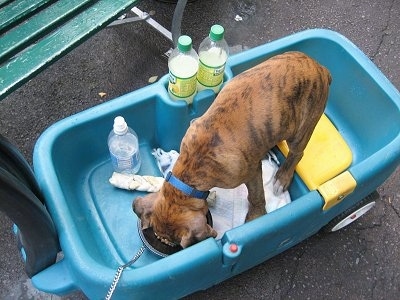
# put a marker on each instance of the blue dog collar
(184, 188)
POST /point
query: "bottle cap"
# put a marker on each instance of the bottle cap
(120, 126)
(216, 33)
(184, 43)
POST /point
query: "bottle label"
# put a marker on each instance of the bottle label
(210, 76)
(182, 87)
(122, 164)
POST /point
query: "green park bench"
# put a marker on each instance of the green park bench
(35, 33)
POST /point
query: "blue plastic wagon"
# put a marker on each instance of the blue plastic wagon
(93, 223)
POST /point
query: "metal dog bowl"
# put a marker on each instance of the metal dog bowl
(152, 243)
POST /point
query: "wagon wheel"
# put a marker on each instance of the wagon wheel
(22, 202)
(352, 214)
(13, 161)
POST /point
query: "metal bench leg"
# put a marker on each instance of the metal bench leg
(172, 35)
(157, 26)
(143, 16)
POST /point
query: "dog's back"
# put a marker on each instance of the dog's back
(279, 99)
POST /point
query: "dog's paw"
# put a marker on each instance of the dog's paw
(278, 188)
(212, 199)
(254, 213)
(251, 217)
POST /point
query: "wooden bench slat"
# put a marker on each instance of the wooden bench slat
(17, 10)
(3, 2)
(52, 47)
(37, 26)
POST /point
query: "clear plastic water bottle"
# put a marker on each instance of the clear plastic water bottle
(123, 145)
(213, 54)
(183, 64)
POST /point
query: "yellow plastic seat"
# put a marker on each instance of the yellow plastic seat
(325, 160)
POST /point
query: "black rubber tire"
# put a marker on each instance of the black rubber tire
(365, 203)
(36, 235)
(13, 161)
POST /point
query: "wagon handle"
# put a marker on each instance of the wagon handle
(177, 20)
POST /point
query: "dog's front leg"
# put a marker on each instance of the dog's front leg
(256, 196)
(284, 175)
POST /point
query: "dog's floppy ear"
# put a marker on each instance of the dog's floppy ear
(143, 208)
(196, 234)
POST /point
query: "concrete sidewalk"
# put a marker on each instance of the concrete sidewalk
(358, 262)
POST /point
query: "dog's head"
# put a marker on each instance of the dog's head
(183, 225)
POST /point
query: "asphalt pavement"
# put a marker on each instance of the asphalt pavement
(359, 262)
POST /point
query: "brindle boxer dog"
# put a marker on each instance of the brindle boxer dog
(280, 99)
